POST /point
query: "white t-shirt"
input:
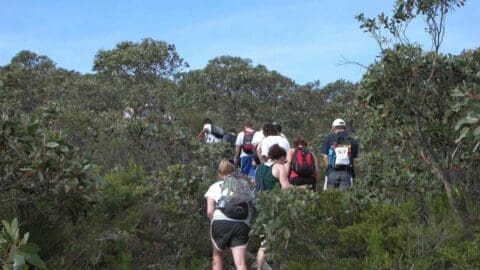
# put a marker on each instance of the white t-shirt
(215, 192)
(267, 142)
(258, 137)
(209, 137)
(239, 140)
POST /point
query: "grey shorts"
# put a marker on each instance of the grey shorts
(229, 234)
(338, 179)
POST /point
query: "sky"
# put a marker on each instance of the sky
(305, 40)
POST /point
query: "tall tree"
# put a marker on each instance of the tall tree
(409, 91)
(146, 59)
(31, 80)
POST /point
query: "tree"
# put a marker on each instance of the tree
(31, 80)
(409, 91)
(232, 89)
(146, 59)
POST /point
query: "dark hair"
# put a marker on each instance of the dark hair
(269, 130)
(207, 121)
(233, 130)
(277, 126)
(248, 123)
(299, 140)
(276, 152)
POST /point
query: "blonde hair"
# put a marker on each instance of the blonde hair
(225, 168)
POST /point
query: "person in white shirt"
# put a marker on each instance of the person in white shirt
(272, 136)
(206, 132)
(226, 232)
(244, 148)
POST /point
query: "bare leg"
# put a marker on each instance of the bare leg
(239, 257)
(217, 261)
(260, 258)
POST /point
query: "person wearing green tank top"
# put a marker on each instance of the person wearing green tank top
(273, 172)
(270, 175)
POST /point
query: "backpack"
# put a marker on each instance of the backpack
(247, 146)
(340, 153)
(237, 198)
(303, 162)
(217, 131)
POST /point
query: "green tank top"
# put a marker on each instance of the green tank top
(264, 178)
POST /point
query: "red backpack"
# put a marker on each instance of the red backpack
(247, 146)
(303, 162)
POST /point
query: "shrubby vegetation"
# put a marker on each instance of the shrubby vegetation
(98, 191)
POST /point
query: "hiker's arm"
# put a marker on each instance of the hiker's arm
(201, 135)
(210, 207)
(263, 159)
(238, 149)
(325, 160)
(317, 169)
(281, 174)
(288, 165)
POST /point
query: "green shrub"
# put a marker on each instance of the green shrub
(123, 188)
(15, 251)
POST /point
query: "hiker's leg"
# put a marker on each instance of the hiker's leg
(260, 258)
(239, 257)
(330, 180)
(345, 180)
(217, 261)
(245, 165)
(219, 238)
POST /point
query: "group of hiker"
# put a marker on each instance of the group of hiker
(267, 161)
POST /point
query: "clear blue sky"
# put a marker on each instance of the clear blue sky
(303, 40)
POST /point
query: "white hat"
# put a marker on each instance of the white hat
(338, 123)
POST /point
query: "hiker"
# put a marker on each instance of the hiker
(273, 172)
(230, 138)
(302, 165)
(270, 175)
(128, 113)
(226, 232)
(339, 151)
(244, 148)
(210, 133)
(272, 136)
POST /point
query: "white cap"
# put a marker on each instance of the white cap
(338, 123)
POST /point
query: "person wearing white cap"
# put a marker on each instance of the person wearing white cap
(339, 151)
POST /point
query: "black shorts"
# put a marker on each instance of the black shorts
(301, 180)
(229, 234)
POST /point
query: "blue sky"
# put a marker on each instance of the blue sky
(303, 40)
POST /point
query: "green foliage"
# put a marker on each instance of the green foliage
(301, 226)
(146, 58)
(123, 188)
(231, 90)
(38, 165)
(15, 251)
(415, 114)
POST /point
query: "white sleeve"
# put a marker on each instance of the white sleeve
(208, 127)
(257, 137)
(287, 144)
(265, 147)
(213, 192)
(239, 140)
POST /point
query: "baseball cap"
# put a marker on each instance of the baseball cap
(338, 123)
